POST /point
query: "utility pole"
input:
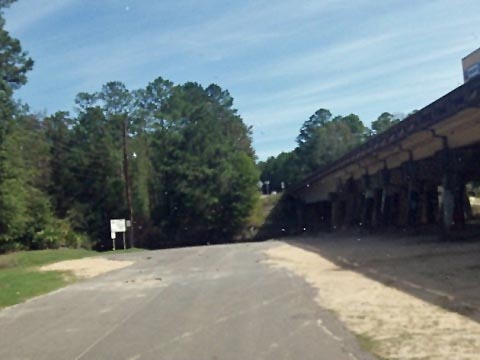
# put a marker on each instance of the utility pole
(126, 175)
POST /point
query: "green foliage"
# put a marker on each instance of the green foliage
(357, 129)
(279, 217)
(14, 65)
(14, 62)
(321, 140)
(191, 166)
(20, 154)
(21, 201)
(26, 259)
(191, 160)
(190, 155)
(285, 168)
(262, 210)
(320, 118)
(208, 175)
(330, 142)
(383, 122)
(59, 233)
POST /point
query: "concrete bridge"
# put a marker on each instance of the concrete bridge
(412, 174)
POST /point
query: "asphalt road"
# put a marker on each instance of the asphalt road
(215, 302)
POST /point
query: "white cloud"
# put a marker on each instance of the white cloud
(281, 60)
(321, 90)
(23, 14)
(242, 29)
(319, 58)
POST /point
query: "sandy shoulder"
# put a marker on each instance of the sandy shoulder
(396, 324)
(88, 267)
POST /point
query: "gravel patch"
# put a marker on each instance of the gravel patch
(394, 324)
(88, 267)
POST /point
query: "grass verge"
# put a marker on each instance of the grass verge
(262, 209)
(20, 278)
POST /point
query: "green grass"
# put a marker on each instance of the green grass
(18, 285)
(42, 257)
(23, 259)
(369, 344)
(262, 210)
(121, 251)
(20, 278)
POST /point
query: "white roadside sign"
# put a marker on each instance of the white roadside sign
(117, 225)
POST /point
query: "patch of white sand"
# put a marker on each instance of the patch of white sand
(88, 267)
(398, 325)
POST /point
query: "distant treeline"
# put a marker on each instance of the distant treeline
(62, 177)
(323, 138)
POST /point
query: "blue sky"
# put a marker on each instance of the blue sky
(281, 60)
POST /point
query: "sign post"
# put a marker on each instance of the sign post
(118, 225)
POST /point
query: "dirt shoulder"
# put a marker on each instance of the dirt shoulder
(390, 322)
(88, 267)
(446, 274)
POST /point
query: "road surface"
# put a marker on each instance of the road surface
(211, 302)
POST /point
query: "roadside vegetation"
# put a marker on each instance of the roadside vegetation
(177, 156)
(20, 278)
(262, 209)
(323, 138)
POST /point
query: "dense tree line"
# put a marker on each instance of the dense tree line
(322, 139)
(191, 163)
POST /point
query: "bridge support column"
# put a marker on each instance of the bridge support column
(447, 203)
(311, 217)
(377, 207)
(351, 202)
(327, 212)
(319, 216)
(453, 195)
(413, 196)
(300, 215)
(368, 203)
(385, 198)
(336, 211)
(460, 204)
(429, 203)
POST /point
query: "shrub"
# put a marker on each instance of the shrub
(58, 233)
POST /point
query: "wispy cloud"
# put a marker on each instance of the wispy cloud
(311, 61)
(281, 60)
(326, 92)
(240, 31)
(26, 13)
